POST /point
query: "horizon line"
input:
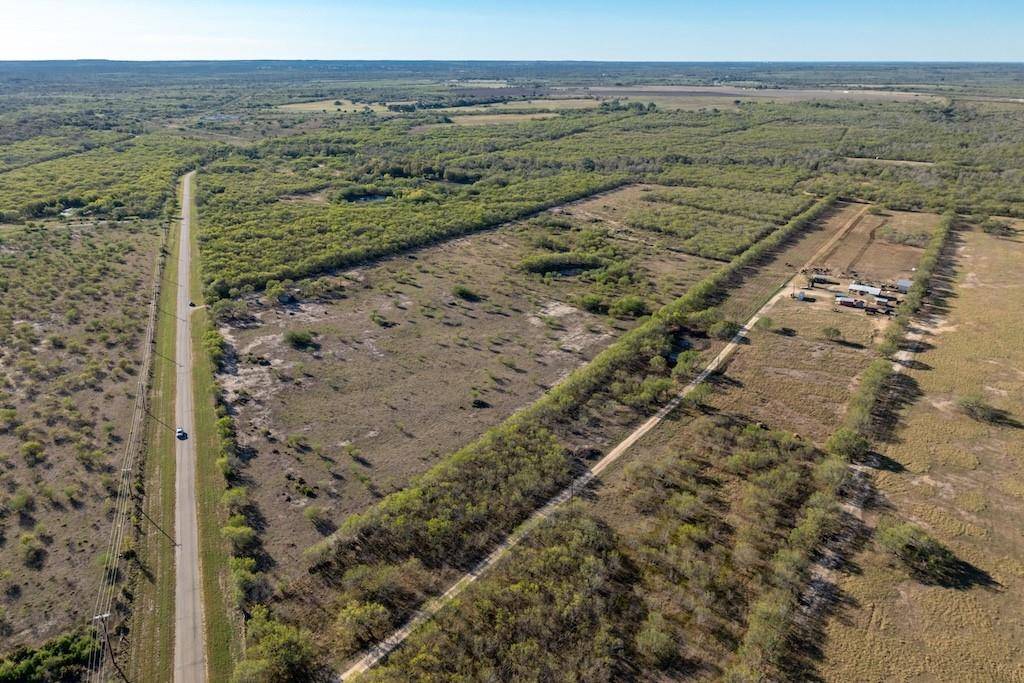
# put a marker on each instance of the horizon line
(513, 61)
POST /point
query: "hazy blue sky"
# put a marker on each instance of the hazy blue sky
(510, 29)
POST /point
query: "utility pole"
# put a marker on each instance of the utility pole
(102, 618)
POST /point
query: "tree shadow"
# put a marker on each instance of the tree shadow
(823, 600)
(913, 364)
(901, 390)
(882, 462)
(933, 564)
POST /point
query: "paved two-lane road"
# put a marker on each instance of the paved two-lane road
(189, 640)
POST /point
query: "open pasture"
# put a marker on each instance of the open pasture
(685, 96)
(958, 477)
(333, 106)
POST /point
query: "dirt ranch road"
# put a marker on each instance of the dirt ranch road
(189, 637)
(386, 646)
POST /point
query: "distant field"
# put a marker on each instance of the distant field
(546, 103)
(336, 105)
(957, 477)
(890, 162)
(682, 92)
(491, 119)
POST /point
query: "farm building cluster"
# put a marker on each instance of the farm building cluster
(872, 298)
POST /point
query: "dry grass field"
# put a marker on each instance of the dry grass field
(697, 96)
(74, 302)
(493, 119)
(764, 280)
(881, 247)
(960, 479)
(335, 106)
(553, 104)
(431, 348)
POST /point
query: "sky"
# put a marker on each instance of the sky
(648, 30)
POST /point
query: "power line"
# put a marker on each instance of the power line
(108, 579)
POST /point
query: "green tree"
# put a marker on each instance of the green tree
(831, 333)
(848, 443)
(277, 653)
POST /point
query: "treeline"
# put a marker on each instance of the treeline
(758, 206)
(133, 178)
(65, 658)
(705, 527)
(923, 276)
(560, 608)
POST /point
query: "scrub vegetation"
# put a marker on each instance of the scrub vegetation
(436, 293)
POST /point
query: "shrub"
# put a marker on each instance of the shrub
(33, 452)
(465, 293)
(249, 586)
(32, 551)
(998, 228)
(686, 365)
(277, 653)
(724, 329)
(22, 502)
(241, 536)
(629, 306)
(974, 406)
(318, 516)
(359, 623)
(215, 346)
(593, 303)
(300, 340)
(848, 444)
(8, 419)
(561, 262)
(654, 642)
(235, 499)
(65, 658)
(832, 333)
(927, 559)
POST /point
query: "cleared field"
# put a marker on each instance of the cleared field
(427, 349)
(761, 283)
(682, 93)
(881, 247)
(544, 104)
(333, 106)
(890, 162)
(960, 479)
(73, 315)
(704, 221)
(492, 119)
